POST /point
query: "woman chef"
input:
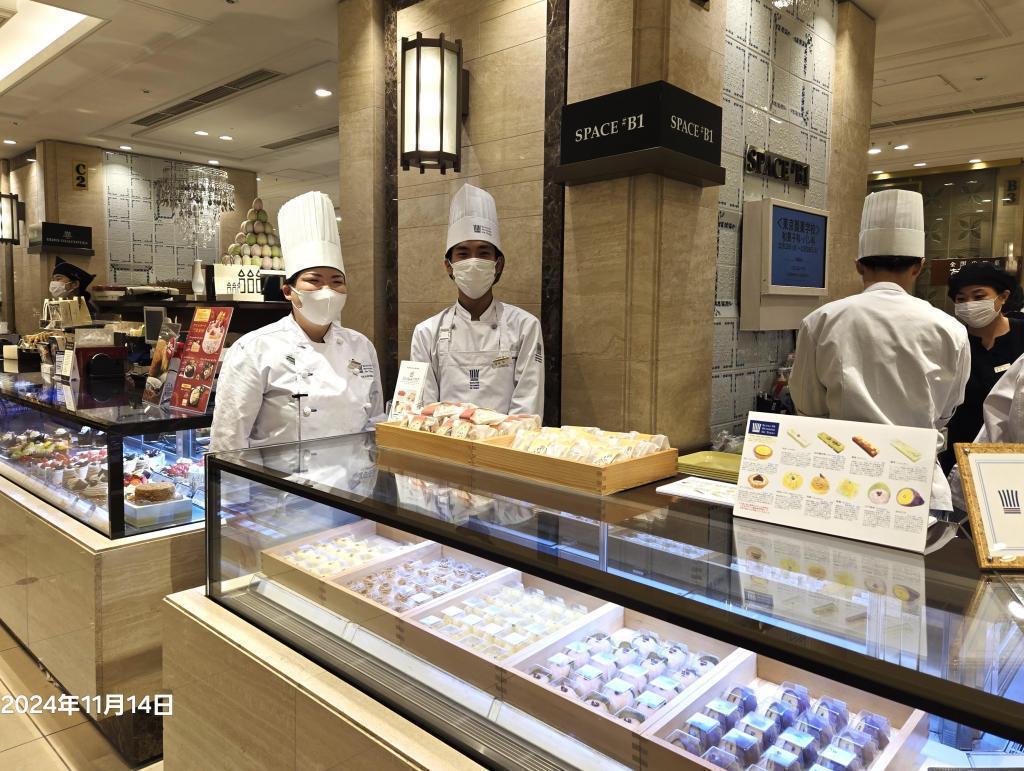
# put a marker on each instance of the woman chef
(480, 350)
(305, 376)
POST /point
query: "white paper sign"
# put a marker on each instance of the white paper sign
(409, 388)
(237, 282)
(704, 490)
(999, 486)
(866, 481)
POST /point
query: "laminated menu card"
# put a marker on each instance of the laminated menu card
(198, 366)
(866, 481)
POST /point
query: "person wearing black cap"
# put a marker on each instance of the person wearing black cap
(982, 293)
(70, 281)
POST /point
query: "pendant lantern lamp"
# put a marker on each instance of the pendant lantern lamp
(9, 216)
(433, 103)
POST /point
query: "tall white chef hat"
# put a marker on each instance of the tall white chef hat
(892, 225)
(309, 234)
(473, 217)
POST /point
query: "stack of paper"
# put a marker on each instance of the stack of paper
(723, 466)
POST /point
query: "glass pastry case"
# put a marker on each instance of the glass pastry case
(532, 626)
(102, 455)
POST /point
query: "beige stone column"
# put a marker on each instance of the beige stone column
(848, 159)
(640, 251)
(361, 68)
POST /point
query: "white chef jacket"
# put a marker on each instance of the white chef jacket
(264, 369)
(1004, 419)
(883, 356)
(496, 362)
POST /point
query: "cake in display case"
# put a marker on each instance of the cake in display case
(103, 456)
(533, 626)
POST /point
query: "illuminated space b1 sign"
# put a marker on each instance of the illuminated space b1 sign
(766, 164)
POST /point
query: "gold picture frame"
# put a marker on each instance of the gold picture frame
(983, 516)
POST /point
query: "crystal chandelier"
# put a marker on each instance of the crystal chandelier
(196, 197)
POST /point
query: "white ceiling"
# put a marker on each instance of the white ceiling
(934, 57)
(154, 53)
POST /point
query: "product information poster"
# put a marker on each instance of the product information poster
(865, 481)
(999, 485)
(409, 388)
(198, 366)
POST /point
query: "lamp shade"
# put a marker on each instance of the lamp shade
(9, 232)
(431, 100)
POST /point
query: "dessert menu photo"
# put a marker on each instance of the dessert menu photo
(855, 480)
(199, 359)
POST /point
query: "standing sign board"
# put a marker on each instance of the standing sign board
(993, 480)
(237, 282)
(866, 481)
(198, 367)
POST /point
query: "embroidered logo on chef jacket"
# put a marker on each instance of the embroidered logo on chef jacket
(538, 354)
(474, 380)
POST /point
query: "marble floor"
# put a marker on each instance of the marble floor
(43, 742)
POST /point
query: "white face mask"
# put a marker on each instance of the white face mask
(474, 276)
(58, 289)
(977, 313)
(319, 306)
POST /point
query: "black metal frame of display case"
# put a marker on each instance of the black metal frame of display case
(705, 614)
(167, 420)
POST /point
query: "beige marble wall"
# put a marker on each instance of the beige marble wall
(848, 158)
(361, 138)
(640, 251)
(70, 206)
(502, 152)
(30, 273)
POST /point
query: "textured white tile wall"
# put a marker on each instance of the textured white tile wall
(776, 93)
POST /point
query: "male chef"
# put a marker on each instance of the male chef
(885, 356)
(480, 350)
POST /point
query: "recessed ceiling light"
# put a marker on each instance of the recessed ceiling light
(986, 200)
(201, 133)
(920, 164)
(1007, 199)
(980, 211)
(323, 92)
(214, 163)
(901, 147)
(257, 179)
(225, 137)
(878, 171)
(974, 160)
(10, 142)
(31, 160)
(874, 150)
(947, 184)
(126, 147)
(972, 182)
(938, 219)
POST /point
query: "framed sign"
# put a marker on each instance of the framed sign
(993, 480)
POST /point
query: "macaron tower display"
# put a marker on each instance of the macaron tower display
(257, 244)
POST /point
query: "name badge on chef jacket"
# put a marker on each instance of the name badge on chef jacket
(364, 371)
(1001, 368)
(502, 361)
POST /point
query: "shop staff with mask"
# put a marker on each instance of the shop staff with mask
(480, 350)
(885, 356)
(70, 281)
(981, 292)
(308, 353)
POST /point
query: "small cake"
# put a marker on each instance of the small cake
(154, 492)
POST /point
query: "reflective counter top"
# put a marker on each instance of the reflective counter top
(930, 631)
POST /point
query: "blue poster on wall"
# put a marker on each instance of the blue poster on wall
(798, 248)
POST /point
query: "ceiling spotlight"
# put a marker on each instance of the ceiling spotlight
(878, 171)
(126, 147)
(901, 147)
(201, 133)
(214, 163)
(10, 142)
(947, 184)
(974, 160)
(920, 164)
(874, 150)
(980, 211)
(986, 200)
(938, 219)
(322, 92)
(257, 179)
(31, 160)
(225, 137)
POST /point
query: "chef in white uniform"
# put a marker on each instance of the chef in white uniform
(305, 373)
(885, 356)
(480, 350)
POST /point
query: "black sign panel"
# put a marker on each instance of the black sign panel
(57, 236)
(654, 115)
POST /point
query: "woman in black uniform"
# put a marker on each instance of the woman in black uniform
(982, 292)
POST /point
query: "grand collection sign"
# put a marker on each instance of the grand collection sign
(653, 128)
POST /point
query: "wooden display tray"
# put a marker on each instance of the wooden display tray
(497, 455)
(310, 585)
(467, 664)
(909, 726)
(602, 731)
(380, 618)
(395, 437)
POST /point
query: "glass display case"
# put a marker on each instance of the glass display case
(86, 451)
(536, 627)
